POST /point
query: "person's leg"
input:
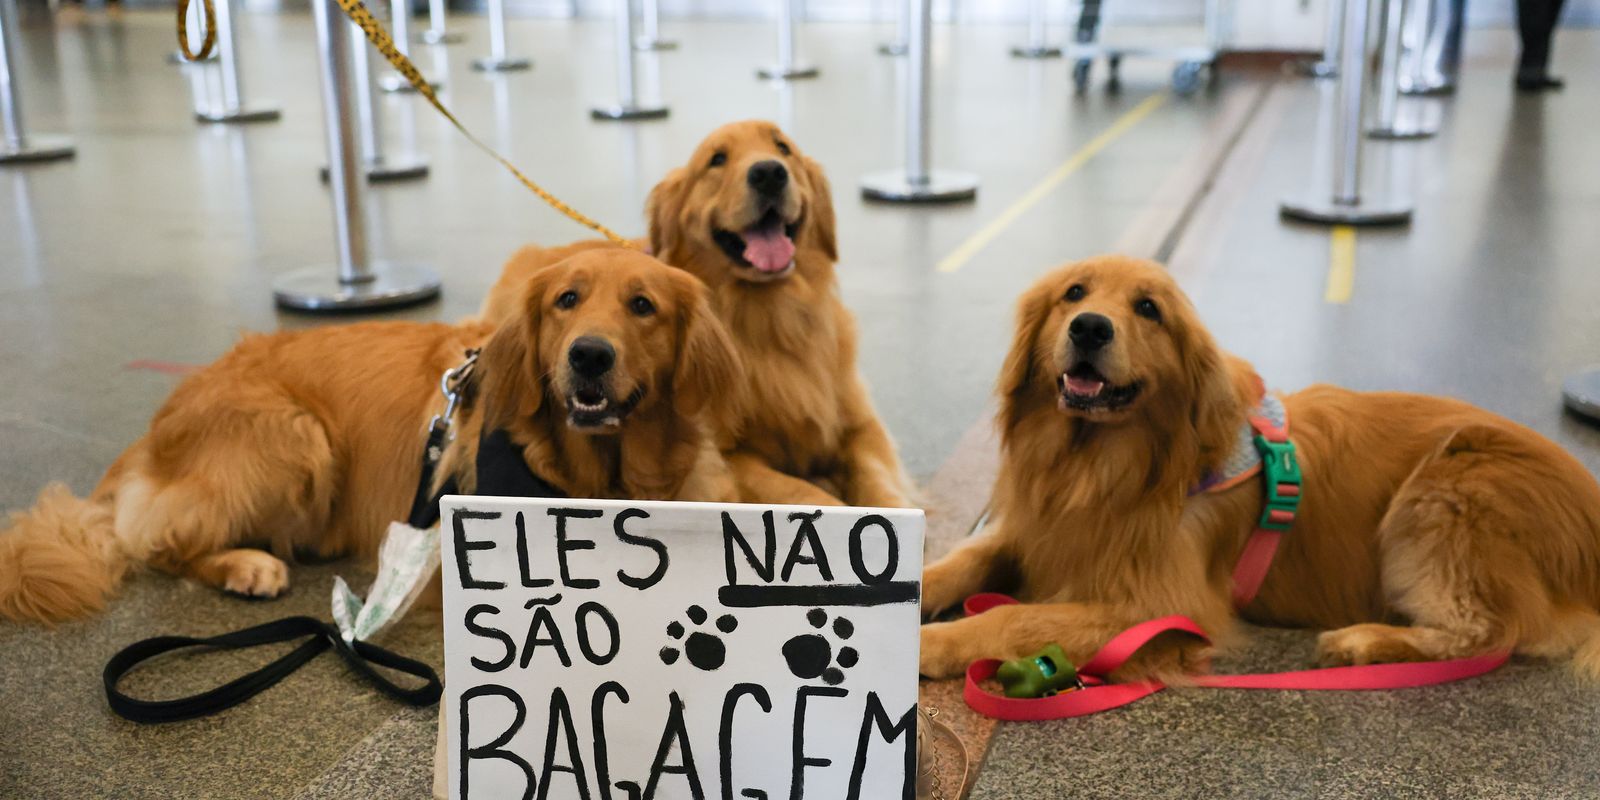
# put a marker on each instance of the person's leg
(1536, 22)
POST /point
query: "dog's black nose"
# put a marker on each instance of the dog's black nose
(768, 177)
(1091, 331)
(591, 356)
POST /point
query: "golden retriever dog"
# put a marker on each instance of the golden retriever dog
(1429, 529)
(752, 217)
(311, 441)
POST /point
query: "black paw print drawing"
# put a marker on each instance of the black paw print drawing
(811, 655)
(704, 649)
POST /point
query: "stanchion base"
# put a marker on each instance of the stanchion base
(398, 83)
(1328, 212)
(893, 49)
(501, 64)
(789, 73)
(642, 43)
(893, 186)
(38, 147)
(431, 36)
(252, 112)
(1581, 392)
(1398, 132)
(1030, 51)
(391, 168)
(629, 112)
(318, 289)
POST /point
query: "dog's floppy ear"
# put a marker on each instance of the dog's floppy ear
(661, 210)
(709, 375)
(1033, 308)
(822, 220)
(1221, 388)
(508, 370)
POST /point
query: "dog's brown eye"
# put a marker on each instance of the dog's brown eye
(642, 306)
(1147, 308)
(783, 147)
(1075, 293)
(568, 299)
(719, 158)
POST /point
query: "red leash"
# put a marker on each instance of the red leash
(1102, 696)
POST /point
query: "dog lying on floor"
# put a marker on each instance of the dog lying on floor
(312, 441)
(1429, 529)
(753, 217)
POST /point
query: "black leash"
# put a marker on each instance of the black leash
(359, 655)
(502, 472)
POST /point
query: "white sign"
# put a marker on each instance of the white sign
(614, 650)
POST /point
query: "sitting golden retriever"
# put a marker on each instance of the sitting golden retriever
(312, 441)
(1429, 529)
(753, 217)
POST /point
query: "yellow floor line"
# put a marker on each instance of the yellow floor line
(1341, 264)
(961, 255)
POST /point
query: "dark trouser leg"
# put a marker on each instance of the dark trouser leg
(1536, 22)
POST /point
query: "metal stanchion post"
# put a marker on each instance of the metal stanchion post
(650, 12)
(789, 66)
(436, 33)
(400, 25)
(17, 144)
(1346, 205)
(377, 166)
(1582, 394)
(1388, 125)
(358, 282)
(1036, 46)
(1328, 65)
(627, 105)
(233, 108)
(498, 61)
(902, 32)
(917, 182)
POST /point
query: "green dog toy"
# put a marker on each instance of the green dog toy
(1045, 673)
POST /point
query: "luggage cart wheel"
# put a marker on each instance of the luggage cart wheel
(1186, 77)
(1080, 74)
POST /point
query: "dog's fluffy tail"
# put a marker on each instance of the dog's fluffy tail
(59, 560)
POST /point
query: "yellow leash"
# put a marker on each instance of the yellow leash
(358, 13)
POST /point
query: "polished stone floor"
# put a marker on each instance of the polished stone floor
(159, 242)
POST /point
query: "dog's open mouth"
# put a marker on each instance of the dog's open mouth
(590, 407)
(767, 246)
(1085, 389)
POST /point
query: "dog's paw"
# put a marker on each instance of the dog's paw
(943, 655)
(253, 573)
(1365, 644)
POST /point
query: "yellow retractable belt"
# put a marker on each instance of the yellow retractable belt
(358, 13)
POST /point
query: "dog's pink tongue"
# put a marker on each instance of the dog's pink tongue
(1085, 387)
(768, 250)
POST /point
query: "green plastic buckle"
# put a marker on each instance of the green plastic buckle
(1281, 470)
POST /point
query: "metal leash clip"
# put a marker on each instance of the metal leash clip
(450, 386)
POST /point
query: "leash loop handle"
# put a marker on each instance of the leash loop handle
(359, 655)
(210, 41)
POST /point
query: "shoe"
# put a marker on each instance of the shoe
(1538, 82)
